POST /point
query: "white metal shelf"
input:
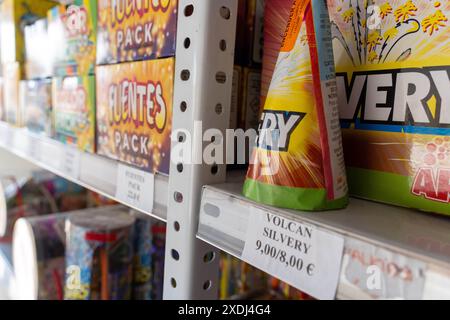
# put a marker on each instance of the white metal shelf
(402, 237)
(91, 171)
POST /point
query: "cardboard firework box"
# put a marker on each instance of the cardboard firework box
(73, 33)
(14, 15)
(136, 30)
(134, 113)
(74, 111)
(393, 80)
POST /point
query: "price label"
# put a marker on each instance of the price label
(299, 254)
(135, 188)
(71, 162)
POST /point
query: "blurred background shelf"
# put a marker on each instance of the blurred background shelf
(88, 170)
(407, 244)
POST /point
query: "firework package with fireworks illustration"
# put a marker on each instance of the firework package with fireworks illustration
(74, 111)
(136, 30)
(72, 30)
(298, 161)
(134, 113)
(392, 61)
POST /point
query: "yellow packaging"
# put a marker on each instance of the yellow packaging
(393, 76)
(298, 162)
(134, 113)
(14, 15)
(133, 30)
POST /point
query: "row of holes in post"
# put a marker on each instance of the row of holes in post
(185, 75)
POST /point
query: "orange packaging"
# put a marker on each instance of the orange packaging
(133, 30)
(134, 113)
(275, 16)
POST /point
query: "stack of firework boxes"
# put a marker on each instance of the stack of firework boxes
(95, 74)
(135, 67)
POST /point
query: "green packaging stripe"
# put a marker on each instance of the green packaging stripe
(390, 188)
(291, 198)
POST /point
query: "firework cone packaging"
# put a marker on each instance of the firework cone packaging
(275, 16)
(393, 63)
(298, 162)
(99, 256)
(39, 257)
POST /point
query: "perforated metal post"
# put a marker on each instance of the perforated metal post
(203, 80)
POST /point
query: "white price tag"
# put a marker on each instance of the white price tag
(299, 254)
(71, 162)
(135, 188)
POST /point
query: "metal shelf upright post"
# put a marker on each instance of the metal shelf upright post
(203, 81)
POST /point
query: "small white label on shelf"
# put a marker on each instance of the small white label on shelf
(135, 188)
(377, 273)
(71, 162)
(299, 254)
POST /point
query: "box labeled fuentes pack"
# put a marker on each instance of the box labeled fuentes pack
(74, 111)
(393, 86)
(136, 30)
(134, 113)
(73, 34)
(14, 15)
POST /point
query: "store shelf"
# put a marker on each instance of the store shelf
(93, 172)
(399, 238)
